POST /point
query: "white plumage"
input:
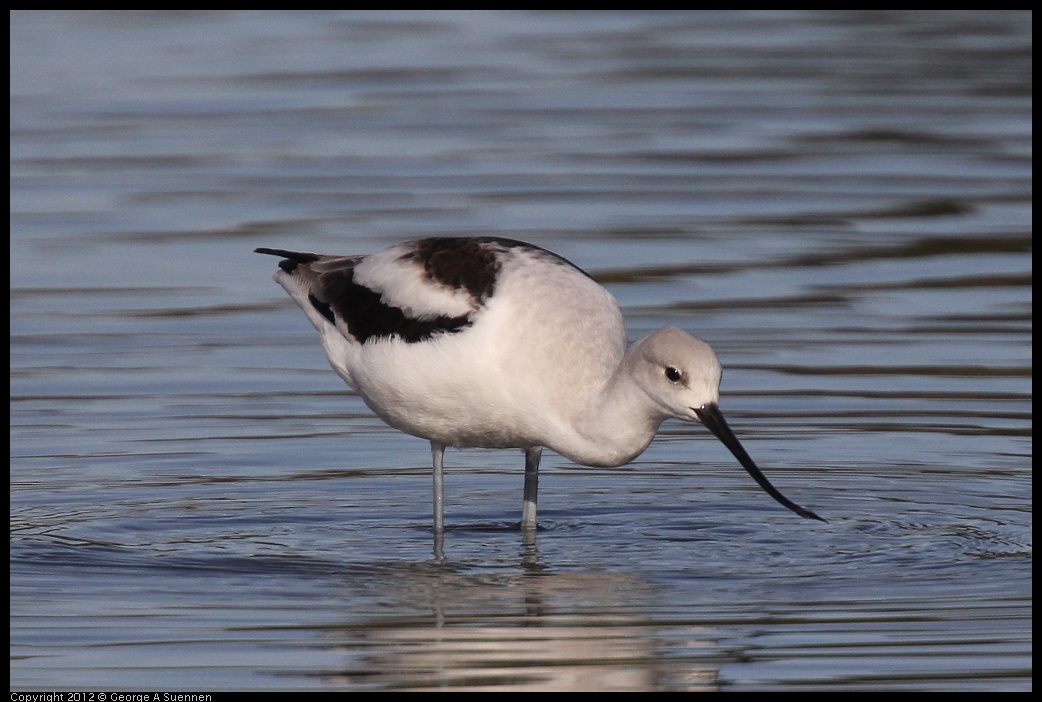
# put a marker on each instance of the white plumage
(496, 343)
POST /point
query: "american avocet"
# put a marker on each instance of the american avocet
(497, 343)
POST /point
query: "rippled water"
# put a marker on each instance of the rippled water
(840, 202)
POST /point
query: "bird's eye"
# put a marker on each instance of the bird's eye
(672, 374)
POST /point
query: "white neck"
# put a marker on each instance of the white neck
(618, 423)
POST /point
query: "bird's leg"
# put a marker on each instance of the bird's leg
(532, 456)
(438, 451)
(439, 547)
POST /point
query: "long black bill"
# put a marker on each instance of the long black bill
(714, 421)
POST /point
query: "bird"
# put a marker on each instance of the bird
(497, 343)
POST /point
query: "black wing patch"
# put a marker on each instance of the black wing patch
(367, 317)
(458, 263)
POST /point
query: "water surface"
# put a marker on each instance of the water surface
(839, 202)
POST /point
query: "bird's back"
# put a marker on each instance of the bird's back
(468, 342)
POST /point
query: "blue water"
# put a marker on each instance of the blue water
(840, 202)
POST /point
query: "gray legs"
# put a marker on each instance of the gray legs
(438, 451)
(532, 456)
(528, 510)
